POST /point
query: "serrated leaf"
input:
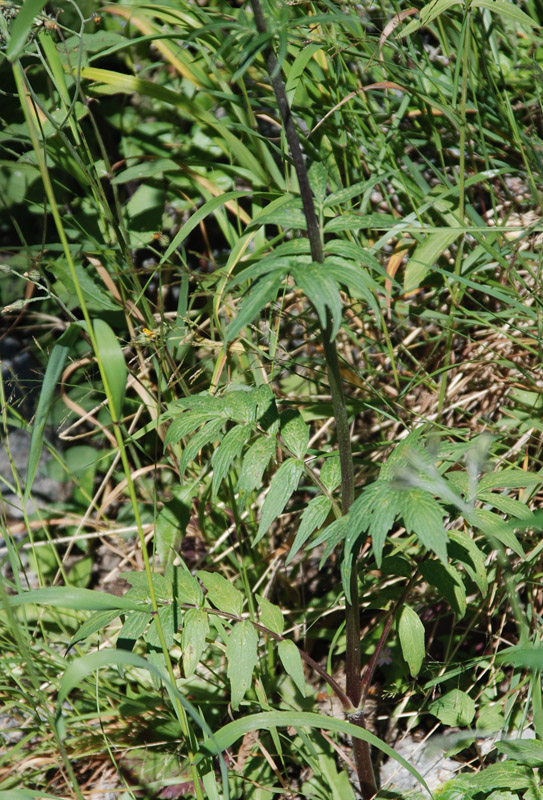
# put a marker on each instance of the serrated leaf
(170, 526)
(239, 406)
(295, 432)
(466, 551)
(330, 475)
(97, 622)
(456, 708)
(411, 633)
(356, 279)
(505, 775)
(314, 517)
(133, 627)
(323, 292)
(254, 464)
(509, 479)
(241, 654)
(270, 615)
(169, 621)
(264, 291)
(448, 581)
(493, 525)
(385, 503)
(186, 424)
(423, 516)
(318, 177)
(193, 639)
(292, 663)
(228, 450)
(221, 592)
(185, 587)
(507, 505)
(524, 751)
(283, 484)
(209, 433)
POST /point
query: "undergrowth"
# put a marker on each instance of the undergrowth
(275, 271)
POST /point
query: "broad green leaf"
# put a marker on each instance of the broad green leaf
(81, 572)
(530, 657)
(411, 633)
(209, 433)
(318, 177)
(523, 751)
(425, 256)
(323, 292)
(139, 580)
(239, 406)
(133, 627)
(77, 599)
(330, 474)
(268, 720)
(169, 622)
(185, 587)
(241, 654)
(193, 639)
(21, 27)
(112, 365)
(95, 297)
(55, 366)
(490, 719)
(505, 775)
(509, 479)
(97, 622)
(464, 549)
(264, 291)
(493, 525)
(423, 516)
(186, 423)
(270, 615)
(292, 663)
(456, 708)
(284, 483)
(508, 10)
(255, 461)
(229, 449)
(221, 592)
(448, 581)
(313, 518)
(295, 432)
(170, 526)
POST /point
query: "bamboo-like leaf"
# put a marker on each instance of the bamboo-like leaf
(229, 449)
(292, 663)
(75, 598)
(284, 483)
(112, 364)
(193, 639)
(241, 654)
(425, 256)
(221, 592)
(55, 365)
(411, 633)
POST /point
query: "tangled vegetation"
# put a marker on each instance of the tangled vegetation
(276, 268)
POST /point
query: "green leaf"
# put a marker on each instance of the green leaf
(292, 663)
(254, 464)
(95, 297)
(112, 365)
(330, 475)
(193, 639)
(134, 626)
(221, 592)
(268, 720)
(81, 572)
(323, 292)
(97, 622)
(21, 27)
(425, 256)
(139, 580)
(185, 587)
(456, 708)
(186, 424)
(209, 433)
(262, 292)
(239, 405)
(77, 599)
(493, 525)
(170, 526)
(424, 516)
(509, 479)
(295, 432)
(523, 751)
(241, 654)
(448, 581)
(270, 615)
(411, 633)
(55, 365)
(169, 622)
(318, 177)
(505, 9)
(283, 484)
(229, 449)
(464, 549)
(506, 775)
(314, 517)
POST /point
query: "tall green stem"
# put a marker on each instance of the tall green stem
(361, 749)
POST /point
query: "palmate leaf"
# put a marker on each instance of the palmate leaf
(423, 516)
(209, 433)
(241, 654)
(322, 290)
(283, 484)
(186, 424)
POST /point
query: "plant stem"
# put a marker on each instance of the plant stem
(362, 753)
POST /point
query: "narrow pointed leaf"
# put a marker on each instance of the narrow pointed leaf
(284, 483)
(292, 663)
(411, 633)
(112, 364)
(255, 461)
(295, 432)
(313, 518)
(264, 291)
(221, 592)
(193, 639)
(241, 654)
